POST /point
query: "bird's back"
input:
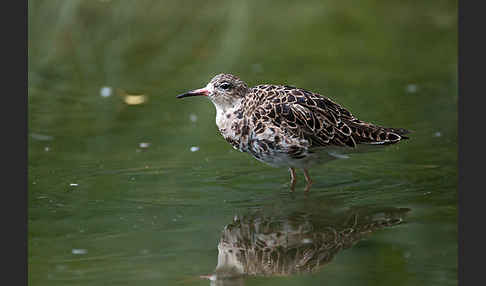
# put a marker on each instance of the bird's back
(315, 118)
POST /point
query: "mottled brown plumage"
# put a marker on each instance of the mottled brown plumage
(288, 126)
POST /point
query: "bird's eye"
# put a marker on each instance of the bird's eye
(225, 85)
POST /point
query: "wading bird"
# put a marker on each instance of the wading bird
(285, 126)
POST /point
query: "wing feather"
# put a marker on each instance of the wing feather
(320, 120)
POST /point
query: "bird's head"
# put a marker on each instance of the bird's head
(224, 90)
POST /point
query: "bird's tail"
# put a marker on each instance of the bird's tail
(400, 131)
(367, 133)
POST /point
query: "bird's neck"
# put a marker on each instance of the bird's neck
(225, 114)
(230, 122)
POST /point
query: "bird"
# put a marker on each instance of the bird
(287, 126)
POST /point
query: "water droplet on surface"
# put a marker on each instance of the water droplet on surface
(79, 251)
(144, 145)
(411, 88)
(106, 91)
(194, 148)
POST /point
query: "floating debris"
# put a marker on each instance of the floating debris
(106, 91)
(47, 148)
(194, 148)
(135, 99)
(79, 251)
(132, 99)
(437, 134)
(73, 185)
(193, 117)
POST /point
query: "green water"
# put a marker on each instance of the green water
(142, 194)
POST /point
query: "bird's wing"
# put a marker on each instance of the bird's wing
(318, 119)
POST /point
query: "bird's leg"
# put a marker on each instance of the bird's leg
(293, 179)
(308, 180)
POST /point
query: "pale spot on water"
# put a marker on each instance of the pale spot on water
(306, 240)
(79, 251)
(106, 91)
(144, 145)
(41, 137)
(412, 88)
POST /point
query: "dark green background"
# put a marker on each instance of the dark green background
(154, 216)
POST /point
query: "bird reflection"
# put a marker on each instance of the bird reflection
(279, 245)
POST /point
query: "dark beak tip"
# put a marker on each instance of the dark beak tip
(185, 95)
(196, 92)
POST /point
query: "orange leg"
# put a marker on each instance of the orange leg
(308, 180)
(293, 179)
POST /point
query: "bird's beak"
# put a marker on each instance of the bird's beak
(197, 92)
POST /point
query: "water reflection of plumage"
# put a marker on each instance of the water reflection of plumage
(269, 245)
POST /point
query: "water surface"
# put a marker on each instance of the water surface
(130, 186)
